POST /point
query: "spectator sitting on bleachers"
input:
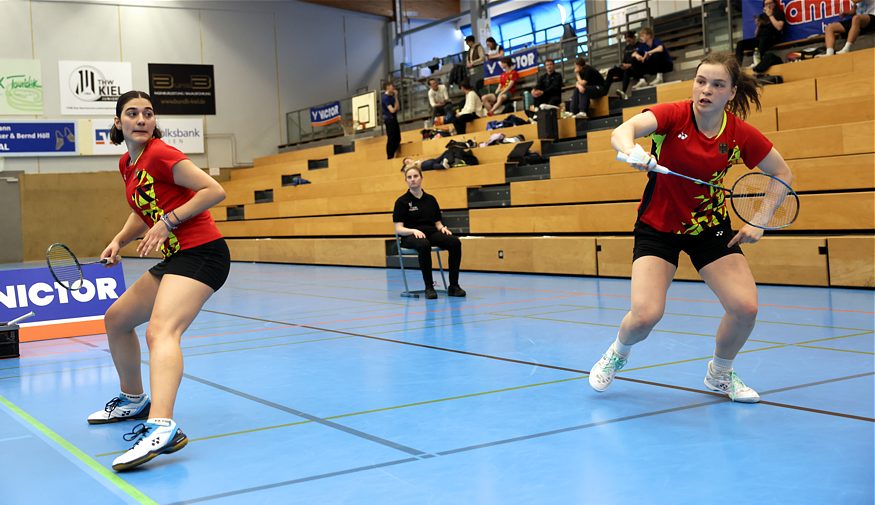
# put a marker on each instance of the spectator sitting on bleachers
(417, 218)
(548, 90)
(623, 72)
(590, 84)
(493, 50)
(472, 109)
(438, 98)
(861, 22)
(651, 57)
(494, 102)
(769, 31)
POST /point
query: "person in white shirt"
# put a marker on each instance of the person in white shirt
(438, 98)
(472, 109)
(854, 25)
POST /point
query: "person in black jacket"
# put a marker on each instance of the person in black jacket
(417, 218)
(590, 84)
(549, 87)
(624, 70)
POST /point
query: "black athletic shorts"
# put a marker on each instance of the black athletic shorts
(208, 263)
(708, 246)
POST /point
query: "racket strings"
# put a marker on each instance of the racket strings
(764, 201)
(64, 266)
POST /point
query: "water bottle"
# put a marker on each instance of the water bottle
(756, 56)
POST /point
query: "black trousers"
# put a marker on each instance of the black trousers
(548, 99)
(393, 136)
(651, 66)
(618, 73)
(423, 247)
(580, 101)
(761, 42)
(461, 122)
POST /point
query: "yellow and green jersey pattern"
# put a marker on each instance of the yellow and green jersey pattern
(145, 200)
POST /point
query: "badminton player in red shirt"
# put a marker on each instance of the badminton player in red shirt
(169, 197)
(701, 138)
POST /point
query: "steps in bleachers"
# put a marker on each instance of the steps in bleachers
(574, 214)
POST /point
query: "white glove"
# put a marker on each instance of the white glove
(638, 156)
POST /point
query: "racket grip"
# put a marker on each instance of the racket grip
(652, 166)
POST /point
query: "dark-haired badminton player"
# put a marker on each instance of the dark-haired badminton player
(701, 138)
(169, 197)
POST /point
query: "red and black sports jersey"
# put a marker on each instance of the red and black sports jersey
(151, 192)
(675, 205)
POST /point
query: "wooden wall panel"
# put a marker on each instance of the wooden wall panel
(312, 153)
(817, 67)
(773, 260)
(826, 112)
(596, 188)
(838, 87)
(852, 261)
(82, 210)
(549, 255)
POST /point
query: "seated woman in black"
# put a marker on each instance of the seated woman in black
(417, 218)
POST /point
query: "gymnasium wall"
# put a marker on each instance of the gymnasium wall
(269, 58)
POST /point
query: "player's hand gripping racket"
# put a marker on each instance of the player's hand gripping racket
(65, 267)
(759, 199)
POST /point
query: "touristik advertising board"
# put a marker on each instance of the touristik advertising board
(21, 88)
(59, 312)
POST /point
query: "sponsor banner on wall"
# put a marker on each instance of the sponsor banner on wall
(59, 312)
(184, 90)
(526, 64)
(185, 134)
(325, 115)
(37, 138)
(804, 17)
(92, 87)
(21, 87)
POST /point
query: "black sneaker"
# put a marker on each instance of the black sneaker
(430, 293)
(456, 291)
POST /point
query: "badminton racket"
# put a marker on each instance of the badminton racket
(66, 268)
(758, 199)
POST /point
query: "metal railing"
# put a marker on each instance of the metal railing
(599, 47)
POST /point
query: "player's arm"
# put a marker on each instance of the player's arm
(403, 231)
(133, 228)
(774, 165)
(639, 125)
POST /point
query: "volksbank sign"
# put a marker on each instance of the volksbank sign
(185, 134)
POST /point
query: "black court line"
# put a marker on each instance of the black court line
(543, 365)
(309, 417)
(294, 481)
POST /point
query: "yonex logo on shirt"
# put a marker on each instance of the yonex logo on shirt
(682, 136)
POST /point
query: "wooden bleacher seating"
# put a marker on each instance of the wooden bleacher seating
(820, 119)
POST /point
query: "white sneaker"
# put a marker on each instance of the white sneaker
(121, 409)
(545, 106)
(580, 115)
(622, 94)
(640, 84)
(603, 372)
(156, 436)
(731, 385)
(657, 80)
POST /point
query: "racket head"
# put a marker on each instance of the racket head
(764, 201)
(64, 266)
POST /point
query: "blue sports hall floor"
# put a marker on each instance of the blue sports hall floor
(322, 385)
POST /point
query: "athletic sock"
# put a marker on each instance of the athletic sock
(621, 348)
(720, 365)
(830, 51)
(133, 398)
(846, 49)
